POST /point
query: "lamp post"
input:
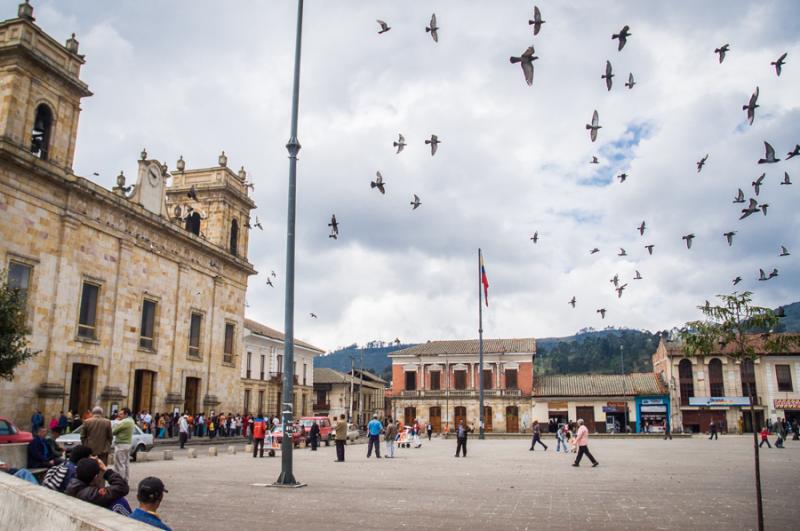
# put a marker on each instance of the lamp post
(625, 400)
(286, 478)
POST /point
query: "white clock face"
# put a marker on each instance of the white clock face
(154, 176)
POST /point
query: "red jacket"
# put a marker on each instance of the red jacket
(259, 428)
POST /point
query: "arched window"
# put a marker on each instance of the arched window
(40, 135)
(234, 236)
(715, 377)
(686, 381)
(748, 378)
(193, 223)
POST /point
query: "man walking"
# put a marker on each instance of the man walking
(314, 435)
(461, 439)
(259, 433)
(713, 429)
(123, 432)
(561, 439)
(183, 429)
(537, 436)
(96, 434)
(429, 429)
(341, 437)
(582, 441)
(374, 431)
(389, 436)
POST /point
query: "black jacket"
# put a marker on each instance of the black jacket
(104, 496)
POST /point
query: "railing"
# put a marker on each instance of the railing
(278, 377)
(321, 407)
(460, 393)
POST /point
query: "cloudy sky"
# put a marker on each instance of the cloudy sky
(194, 77)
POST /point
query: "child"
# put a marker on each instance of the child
(764, 437)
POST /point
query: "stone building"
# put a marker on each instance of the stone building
(437, 382)
(134, 297)
(358, 394)
(717, 387)
(262, 371)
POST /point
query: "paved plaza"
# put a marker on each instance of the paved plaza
(640, 484)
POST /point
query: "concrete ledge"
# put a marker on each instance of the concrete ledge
(212, 451)
(24, 506)
(491, 435)
(191, 453)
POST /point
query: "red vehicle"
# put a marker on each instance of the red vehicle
(299, 434)
(325, 429)
(9, 433)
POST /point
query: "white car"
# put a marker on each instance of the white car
(142, 442)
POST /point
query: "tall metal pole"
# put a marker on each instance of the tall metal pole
(480, 344)
(286, 478)
(622, 367)
(352, 379)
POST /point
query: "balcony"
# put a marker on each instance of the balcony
(277, 377)
(321, 407)
(461, 393)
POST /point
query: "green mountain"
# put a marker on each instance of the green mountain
(791, 323)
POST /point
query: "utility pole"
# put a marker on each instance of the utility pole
(625, 400)
(352, 378)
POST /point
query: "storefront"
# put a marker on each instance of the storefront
(788, 408)
(557, 413)
(652, 414)
(723, 411)
(615, 416)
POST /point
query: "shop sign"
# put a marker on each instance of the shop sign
(557, 406)
(617, 404)
(614, 409)
(652, 401)
(719, 401)
(653, 409)
(787, 403)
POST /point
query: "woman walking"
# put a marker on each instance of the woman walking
(537, 436)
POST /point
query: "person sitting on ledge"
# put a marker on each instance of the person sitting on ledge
(40, 454)
(88, 474)
(58, 477)
(21, 473)
(150, 494)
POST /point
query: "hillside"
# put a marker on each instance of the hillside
(375, 358)
(791, 323)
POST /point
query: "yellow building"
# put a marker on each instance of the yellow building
(133, 297)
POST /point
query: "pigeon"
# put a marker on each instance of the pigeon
(620, 290)
(334, 225)
(737, 280)
(779, 63)
(784, 251)
(729, 237)
(416, 202)
(572, 302)
(594, 126)
(526, 62)
(273, 274)
(594, 160)
(769, 155)
(722, 50)
(602, 312)
(786, 179)
(774, 273)
(764, 207)
(378, 183)
(433, 29)
(688, 238)
(537, 21)
(401, 142)
(637, 276)
(630, 82)
(615, 280)
(434, 142)
(251, 186)
(269, 282)
(594, 251)
(622, 177)
(313, 315)
(762, 276)
(192, 193)
(608, 75)
(751, 107)
(793, 153)
(641, 228)
(649, 249)
(535, 237)
(623, 35)
(752, 208)
(384, 27)
(258, 224)
(739, 197)
(701, 163)
(622, 252)
(758, 182)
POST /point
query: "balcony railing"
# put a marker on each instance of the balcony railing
(460, 393)
(278, 377)
(321, 407)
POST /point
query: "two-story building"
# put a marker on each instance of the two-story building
(358, 394)
(438, 382)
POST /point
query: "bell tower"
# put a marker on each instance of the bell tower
(40, 91)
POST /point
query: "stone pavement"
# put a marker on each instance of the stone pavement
(640, 484)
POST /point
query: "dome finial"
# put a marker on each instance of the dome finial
(25, 11)
(72, 44)
(223, 159)
(143, 154)
(181, 164)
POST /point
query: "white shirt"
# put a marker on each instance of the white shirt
(183, 425)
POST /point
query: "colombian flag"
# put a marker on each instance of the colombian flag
(485, 282)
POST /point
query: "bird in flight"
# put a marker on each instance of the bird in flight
(334, 225)
(762, 276)
(737, 280)
(649, 248)
(623, 35)
(615, 280)
(722, 50)
(622, 252)
(608, 75)
(313, 315)
(637, 276)
(751, 107)
(594, 251)
(774, 273)
(192, 193)
(384, 27)
(526, 62)
(594, 160)
(258, 224)
(641, 228)
(622, 177)
(433, 29)
(602, 312)
(378, 183)
(620, 290)
(701, 163)
(688, 238)
(416, 202)
(401, 142)
(739, 197)
(572, 302)
(269, 282)
(769, 155)
(752, 208)
(594, 126)
(631, 81)
(537, 21)
(764, 207)
(784, 251)
(786, 179)
(273, 274)
(434, 142)
(779, 63)
(729, 237)
(535, 237)
(758, 182)
(793, 153)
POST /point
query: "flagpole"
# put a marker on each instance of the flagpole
(480, 343)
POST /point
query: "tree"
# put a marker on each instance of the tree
(738, 329)
(13, 330)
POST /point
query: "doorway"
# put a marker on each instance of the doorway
(747, 422)
(512, 419)
(81, 389)
(587, 414)
(143, 390)
(409, 415)
(460, 413)
(191, 394)
(487, 418)
(436, 418)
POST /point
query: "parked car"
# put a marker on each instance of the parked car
(142, 442)
(299, 434)
(352, 432)
(326, 432)
(9, 433)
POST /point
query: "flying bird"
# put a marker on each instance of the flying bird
(401, 142)
(637, 276)
(779, 63)
(784, 251)
(630, 82)
(758, 182)
(434, 142)
(433, 29)
(793, 153)
(535, 237)
(622, 252)
(769, 155)
(615, 280)
(258, 224)
(701, 163)
(641, 228)
(594, 160)
(722, 50)
(384, 27)
(737, 280)
(764, 207)
(526, 62)
(594, 126)
(729, 237)
(762, 276)
(620, 290)
(572, 302)
(751, 107)
(622, 177)
(649, 249)
(594, 251)
(786, 179)
(688, 238)
(269, 282)
(378, 183)
(739, 197)
(774, 273)
(537, 21)
(416, 202)
(608, 75)
(752, 208)
(273, 274)
(334, 225)
(313, 315)
(192, 193)
(602, 312)
(623, 35)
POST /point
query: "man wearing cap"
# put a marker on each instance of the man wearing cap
(96, 434)
(151, 492)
